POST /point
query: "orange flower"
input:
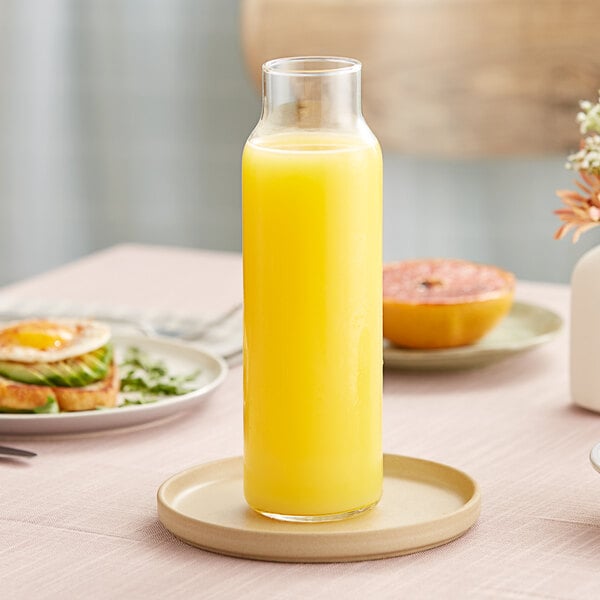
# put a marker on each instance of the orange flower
(582, 212)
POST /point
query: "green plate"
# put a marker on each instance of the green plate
(525, 327)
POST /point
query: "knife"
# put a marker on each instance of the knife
(16, 452)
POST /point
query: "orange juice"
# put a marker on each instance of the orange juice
(312, 323)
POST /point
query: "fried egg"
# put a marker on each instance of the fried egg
(45, 340)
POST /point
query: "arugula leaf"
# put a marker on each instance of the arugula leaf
(51, 406)
(138, 401)
(150, 379)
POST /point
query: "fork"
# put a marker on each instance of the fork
(188, 330)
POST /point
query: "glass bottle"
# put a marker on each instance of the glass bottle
(312, 237)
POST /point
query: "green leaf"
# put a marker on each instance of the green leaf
(150, 379)
(51, 407)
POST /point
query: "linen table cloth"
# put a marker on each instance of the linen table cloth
(79, 520)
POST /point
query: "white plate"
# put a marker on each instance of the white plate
(525, 327)
(178, 357)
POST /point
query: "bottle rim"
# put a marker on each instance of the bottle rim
(298, 66)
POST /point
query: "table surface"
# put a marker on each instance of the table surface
(80, 519)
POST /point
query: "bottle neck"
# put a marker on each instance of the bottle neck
(311, 93)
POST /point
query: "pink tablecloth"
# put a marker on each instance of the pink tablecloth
(79, 520)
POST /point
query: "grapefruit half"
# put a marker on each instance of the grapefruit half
(443, 303)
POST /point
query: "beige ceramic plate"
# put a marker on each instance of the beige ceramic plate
(424, 504)
(525, 327)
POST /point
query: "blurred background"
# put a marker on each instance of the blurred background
(124, 121)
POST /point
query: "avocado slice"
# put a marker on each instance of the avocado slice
(72, 372)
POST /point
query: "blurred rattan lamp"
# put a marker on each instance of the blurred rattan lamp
(448, 78)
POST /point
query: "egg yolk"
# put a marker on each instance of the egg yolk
(41, 335)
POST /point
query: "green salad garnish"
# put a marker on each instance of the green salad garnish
(149, 379)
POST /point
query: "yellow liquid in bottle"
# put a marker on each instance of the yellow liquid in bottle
(312, 324)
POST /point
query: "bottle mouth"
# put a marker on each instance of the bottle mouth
(311, 66)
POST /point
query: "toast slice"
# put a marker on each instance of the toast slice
(23, 396)
(102, 393)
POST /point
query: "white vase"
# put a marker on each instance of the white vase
(585, 331)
